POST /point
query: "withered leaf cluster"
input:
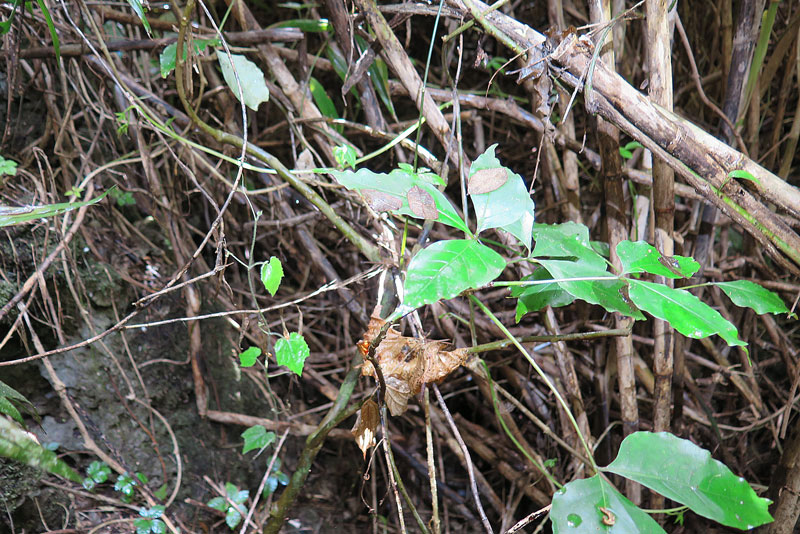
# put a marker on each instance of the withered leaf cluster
(407, 363)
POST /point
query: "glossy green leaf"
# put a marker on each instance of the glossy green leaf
(51, 28)
(166, 60)
(136, 5)
(594, 284)
(446, 268)
(233, 517)
(8, 167)
(592, 505)
(256, 437)
(248, 357)
(748, 294)
(271, 275)
(345, 156)
(323, 101)
(685, 312)
(17, 445)
(218, 503)
(641, 257)
(10, 410)
(254, 88)
(680, 470)
(292, 352)
(566, 241)
(397, 185)
(13, 215)
(505, 205)
(742, 174)
(535, 297)
(522, 228)
(9, 396)
(306, 25)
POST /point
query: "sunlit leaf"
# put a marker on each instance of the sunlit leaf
(16, 215)
(680, 470)
(685, 312)
(256, 437)
(638, 257)
(271, 275)
(748, 294)
(254, 88)
(18, 445)
(592, 505)
(397, 184)
(248, 357)
(292, 352)
(136, 5)
(501, 206)
(446, 268)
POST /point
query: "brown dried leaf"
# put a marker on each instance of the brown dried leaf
(421, 203)
(380, 201)
(397, 394)
(440, 363)
(366, 424)
(487, 180)
(407, 363)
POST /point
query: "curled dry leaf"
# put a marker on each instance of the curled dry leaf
(407, 363)
(487, 180)
(380, 201)
(421, 203)
(366, 425)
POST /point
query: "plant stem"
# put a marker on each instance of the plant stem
(542, 374)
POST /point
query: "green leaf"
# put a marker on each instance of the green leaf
(306, 25)
(680, 470)
(152, 513)
(166, 60)
(743, 175)
(747, 294)
(535, 297)
(8, 167)
(248, 357)
(323, 101)
(157, 526)
(136, 5)
(98, 471)
(5, 26)
(446, 268)
(607, 291)
(16, 444)
(218, 503)
(10, 216)
(590, 504)
(566, 241)
(256, 437)
(638, 257)
(292, 352)
(232, 517)
(271, 275)
(142, 526)
(345, 156)
(51, 28)
(389, 192)
(685, 312)
(254, 89)
(504, 205)
(161, 493)
(10, 410)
